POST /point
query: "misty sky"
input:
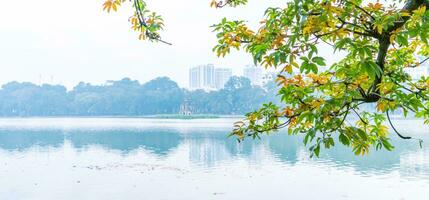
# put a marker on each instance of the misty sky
(74, 41)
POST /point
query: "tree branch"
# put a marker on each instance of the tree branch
(420, 63)
(142, 22)
(394, 129)
(409, 7)
(361, 9)
(400, 135)
(360, 118)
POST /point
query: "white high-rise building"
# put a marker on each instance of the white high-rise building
(195, 78)
(222, 75)
(202, 77)
(208, 76)
(253, 73)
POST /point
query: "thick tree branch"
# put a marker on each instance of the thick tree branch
(409, 7)
(384, 43)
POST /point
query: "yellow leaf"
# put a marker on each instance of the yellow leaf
(420, 11)
(392, 38)
(111, 4)
(377, 6)
(379, 28)
(317, 103)
(405, 14)
(384, 131)
(307, 29)
(288, 111)
(392, 104)
(288, 68)
(213, 4)
(381, 106)
(107, 5)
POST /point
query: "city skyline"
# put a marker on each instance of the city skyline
(41, 79)
(209, 77)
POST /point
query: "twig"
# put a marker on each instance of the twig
(360, 118)
(393, 127)
(423, 61)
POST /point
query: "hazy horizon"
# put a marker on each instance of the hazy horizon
(84, 43)
(106, 82)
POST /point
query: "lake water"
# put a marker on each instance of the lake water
(124, 158)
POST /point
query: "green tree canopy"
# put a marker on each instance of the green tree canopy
(380, 40)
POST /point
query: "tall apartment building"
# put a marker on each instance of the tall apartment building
(222, 75)
(208, 76)
(195, 78)
(202, 77)
(253, 73)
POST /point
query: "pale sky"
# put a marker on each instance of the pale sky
(76, 41)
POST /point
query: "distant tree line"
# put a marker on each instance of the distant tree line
(128, 97)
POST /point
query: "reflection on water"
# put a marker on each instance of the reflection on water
(210, 148)
(159, 142)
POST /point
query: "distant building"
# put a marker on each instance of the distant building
(267, 77)
(202, 77)
(208, 77)
(185, 109)
(222, 75)
(195, 78)
(258, 76)
(253, 73)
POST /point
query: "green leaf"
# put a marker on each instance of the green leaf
(344, 139)
(319, 60)
(387, 144)
(317, 150)
(362, 134)
(402, 39)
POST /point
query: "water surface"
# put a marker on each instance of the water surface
(125, 158)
